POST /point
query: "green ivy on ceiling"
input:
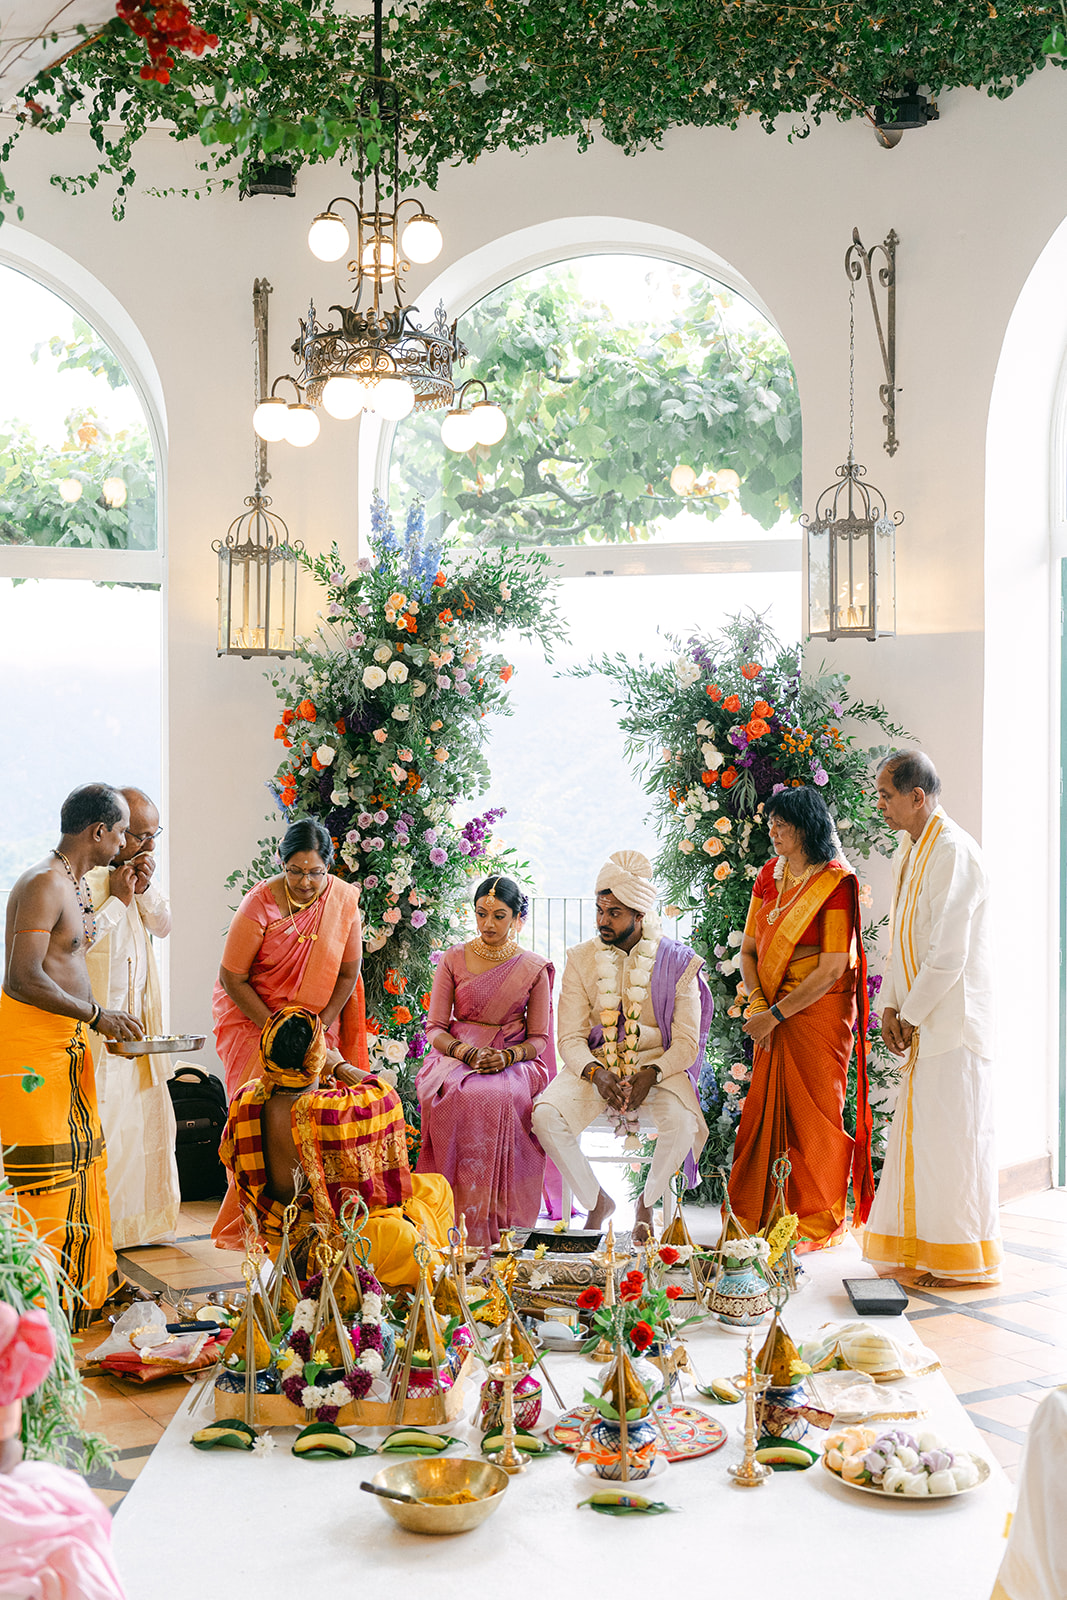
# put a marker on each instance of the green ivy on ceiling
(288, 80)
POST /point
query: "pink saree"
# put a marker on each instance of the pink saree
(476, 1127)
(285, 970)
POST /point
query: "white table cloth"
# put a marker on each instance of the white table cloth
(232, 1524)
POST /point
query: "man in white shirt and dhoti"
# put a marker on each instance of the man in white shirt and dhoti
(634, 1014)
(935, 1208)
(135, 1105)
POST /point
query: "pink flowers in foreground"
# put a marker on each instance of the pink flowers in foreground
(27, 1350)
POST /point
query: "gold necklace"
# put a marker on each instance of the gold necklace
(494, 953)
(778, 908)
(294, 907)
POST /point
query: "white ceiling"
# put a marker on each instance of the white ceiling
(24, 52)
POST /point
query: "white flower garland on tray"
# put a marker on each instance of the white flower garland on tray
(622, 1060)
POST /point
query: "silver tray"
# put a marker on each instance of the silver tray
(914, 1499)
(156, 1047)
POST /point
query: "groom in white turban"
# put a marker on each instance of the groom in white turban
(647, 1074)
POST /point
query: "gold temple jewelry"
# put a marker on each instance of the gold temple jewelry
(490, 896)
(294, 907)
(501, 952)
(779, 909)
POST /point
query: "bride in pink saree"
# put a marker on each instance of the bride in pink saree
(295, 939)
(491, 1055)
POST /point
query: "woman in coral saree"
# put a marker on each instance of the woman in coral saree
(294, 940)
(490, 1029)
(805, 975)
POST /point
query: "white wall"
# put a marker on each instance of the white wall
(974, 199)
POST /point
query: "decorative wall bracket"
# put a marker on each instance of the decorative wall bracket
(260, 290)
(859, 263)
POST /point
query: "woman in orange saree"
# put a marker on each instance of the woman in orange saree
(804, 972)
(295, 939)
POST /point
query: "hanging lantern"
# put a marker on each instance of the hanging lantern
(258, 567)
(851, 560)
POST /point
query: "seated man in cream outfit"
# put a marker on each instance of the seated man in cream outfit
(628, 967)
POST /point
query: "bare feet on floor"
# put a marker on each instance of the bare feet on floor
(600, 1213)
(927, 1280)
(642, 1223)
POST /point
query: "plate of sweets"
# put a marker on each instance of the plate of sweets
(902, 1466)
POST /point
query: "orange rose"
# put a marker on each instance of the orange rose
(729, 778)
(373, 1025)
(506, 673)
(723, 870)
(315, 762)
(439, 581)
(445, 616)
(752, 670)
(757, 728)
(279, 732)
(708, 778)
(401, 1014)
(340, 726)
(762, 709)
(306, 710)
(424, 1001)
(395, 982)
(714, 691)
(287, 716)
(731, 703)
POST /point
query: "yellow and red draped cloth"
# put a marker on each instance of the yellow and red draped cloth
(54, 1155)
(351, 1140)
(796, 1098)
(290, 960)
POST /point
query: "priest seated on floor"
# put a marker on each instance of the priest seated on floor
(298, 1132)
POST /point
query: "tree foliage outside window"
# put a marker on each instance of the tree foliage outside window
(93, 454)
(603, 406)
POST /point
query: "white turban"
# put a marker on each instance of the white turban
(628, 876)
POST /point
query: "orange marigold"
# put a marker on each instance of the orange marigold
(439, 581)
(395, 982)
(445, 616)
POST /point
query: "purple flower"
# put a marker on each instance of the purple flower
(819, 777)
(371, 881)
(874, 983)
(401, 837)
(363, 609)
(874, 1022)
(430, 836)
(336, 609)
(465, 847)
(459, 673)
(738, 738)
(463, 689)
(381, 816)
(442, 681)
(406, 818)
(438, 856)
(336, 578)
(356, 639)
(436, 957)
(365, 564)
(778, 788)
(836, 707)
(418, 919)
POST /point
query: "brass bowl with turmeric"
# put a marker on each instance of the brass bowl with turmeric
(455, 1494)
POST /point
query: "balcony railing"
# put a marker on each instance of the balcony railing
(556, 922)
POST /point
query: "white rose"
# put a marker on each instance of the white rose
(325, 754)
(735, 937)
(690, 822)
(686, 671)
(418, 688)
(713, 758)
(394, 1050)
(397, 672)
(374, 942)
(637, 991)
(383, 652)
(373, 677)
(339, 797)
(686, 846)
(401, 713)
(704, 728)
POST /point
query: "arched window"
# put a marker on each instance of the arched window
(80, 568)
(653, 447)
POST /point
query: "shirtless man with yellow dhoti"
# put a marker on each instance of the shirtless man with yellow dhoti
(318, 1131)
(54, 1149)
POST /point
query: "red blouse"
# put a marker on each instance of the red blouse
(830, 930)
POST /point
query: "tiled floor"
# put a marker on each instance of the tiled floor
(1001, 1349)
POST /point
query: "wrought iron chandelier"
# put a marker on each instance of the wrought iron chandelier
(851, 539)
(379, 358)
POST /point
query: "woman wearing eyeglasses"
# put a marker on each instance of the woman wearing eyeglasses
(295, 940)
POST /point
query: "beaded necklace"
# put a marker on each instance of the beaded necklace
(85, 906)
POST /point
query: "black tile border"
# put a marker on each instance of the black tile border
(1001, 1429)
